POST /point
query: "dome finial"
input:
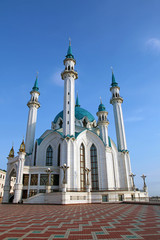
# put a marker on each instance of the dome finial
(22, 146)
(100, 100)
(114, 83)
(69, 41)
(11, 153)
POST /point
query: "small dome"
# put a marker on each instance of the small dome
(101, 108)
(80, 113)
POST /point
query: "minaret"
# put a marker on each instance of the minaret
(33, 105)
(103, 123)
(69, 75)
(116, 101)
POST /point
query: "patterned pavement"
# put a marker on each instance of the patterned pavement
(92, 221)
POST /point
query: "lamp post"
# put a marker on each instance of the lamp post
(144, 185)
(87, 171)
(48, 186)
(64, 168)
(133, 185)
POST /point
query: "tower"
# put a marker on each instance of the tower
(116, 101)
(103, 122)
(69, 75)
(33, 105)
(19, 176)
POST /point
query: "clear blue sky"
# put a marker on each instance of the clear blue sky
(123, 34)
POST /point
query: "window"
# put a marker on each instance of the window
(60, 123)
(82, 167)
(67, 122)
(43, 179)
(68, 67)
(68, 102)
(35, 153)
(85, 123)
(34, 179)
(68, 93)
(68, 112)
(24, 194)
(25, 179)
(94, 167)
(32, 192)
(59, 155)
(54, 179)
(49, 156)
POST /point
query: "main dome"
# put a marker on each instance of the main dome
(80, 113)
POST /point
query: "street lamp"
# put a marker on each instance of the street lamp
(144, 186)
(48, 186)
(133, 185)
(87, 171)
(48, 171)
(64, 168)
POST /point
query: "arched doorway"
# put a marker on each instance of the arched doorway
(12, 181)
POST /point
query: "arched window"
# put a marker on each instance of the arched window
(94, 168)
(82, 167)
(35, 154)
(59, 155)
(84, 123)
(60, 123)
(69, 68)
(49, 156)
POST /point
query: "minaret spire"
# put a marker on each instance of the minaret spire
(77, 101)
(69, 75)
(33, 105)
(114, 83)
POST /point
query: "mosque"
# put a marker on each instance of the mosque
(75, 161)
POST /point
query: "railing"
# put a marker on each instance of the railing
(97, 190)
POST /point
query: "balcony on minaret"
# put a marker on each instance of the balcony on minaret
(116, 98)
(69, 71)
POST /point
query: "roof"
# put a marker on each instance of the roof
(101, 107)
(69, 52)
(114, 83)
(80, 113)
(35, 87)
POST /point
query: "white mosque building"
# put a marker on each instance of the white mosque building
(75, 161)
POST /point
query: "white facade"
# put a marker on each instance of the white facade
(2, 183)
(75, 161)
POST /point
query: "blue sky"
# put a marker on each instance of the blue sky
(123, 34)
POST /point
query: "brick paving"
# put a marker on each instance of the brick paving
(92, 221)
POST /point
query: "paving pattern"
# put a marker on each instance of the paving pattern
(92, 221)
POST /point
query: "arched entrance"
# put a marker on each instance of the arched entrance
(9, 186)
(12, 181)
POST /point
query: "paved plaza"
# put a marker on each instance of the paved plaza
(92, 221)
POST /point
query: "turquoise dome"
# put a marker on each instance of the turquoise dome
(101, 108)
(79, 114)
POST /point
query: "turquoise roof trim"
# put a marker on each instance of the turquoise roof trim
(109, 141)
(39, 140)
(79, 114)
